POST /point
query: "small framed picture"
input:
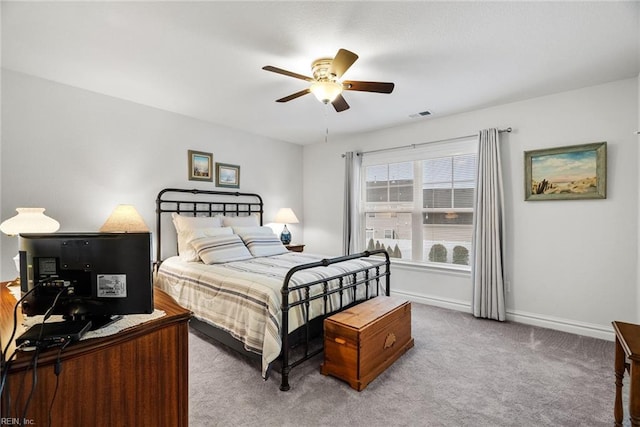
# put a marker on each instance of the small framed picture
(200, 166)
(227, 175)
(562, 173)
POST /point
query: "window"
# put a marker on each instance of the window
(418, 204)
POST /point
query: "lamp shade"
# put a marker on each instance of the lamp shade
(124, 218)
(29, 220)
(326, 91)
(286, 216)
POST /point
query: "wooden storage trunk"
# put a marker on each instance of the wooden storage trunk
(364, 340)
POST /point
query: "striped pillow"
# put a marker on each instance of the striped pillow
(184, 224)
(219, 249)
(262, 244)
(188, 253)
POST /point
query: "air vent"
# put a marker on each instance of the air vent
(420, 114)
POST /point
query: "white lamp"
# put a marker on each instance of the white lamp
(124, 218)
(286, 216)
(28, 220)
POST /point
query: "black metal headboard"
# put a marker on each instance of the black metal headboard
(204, 203)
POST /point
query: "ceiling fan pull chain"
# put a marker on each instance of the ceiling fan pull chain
(326, 123)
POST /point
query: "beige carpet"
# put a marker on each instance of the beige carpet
(461, 372)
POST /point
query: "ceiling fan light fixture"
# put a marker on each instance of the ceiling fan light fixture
(326, 91)
(326, 84)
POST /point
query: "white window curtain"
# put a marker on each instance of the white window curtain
(488, 231)
(351, 219)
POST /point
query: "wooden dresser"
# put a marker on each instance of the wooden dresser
(364, 340)
(136, 377)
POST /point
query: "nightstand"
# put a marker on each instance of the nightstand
(294, 248)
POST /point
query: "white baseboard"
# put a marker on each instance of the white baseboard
(540, 320)
(565, 325)
(436, 301)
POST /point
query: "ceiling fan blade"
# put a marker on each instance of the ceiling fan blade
(286, 73)
(294, 96)
(340, 104)
(379, 87)
(341, 63)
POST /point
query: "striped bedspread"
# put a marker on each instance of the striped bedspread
(244, 299)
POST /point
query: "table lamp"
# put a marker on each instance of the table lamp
(28, 220)
(124, 219)
(286, 216)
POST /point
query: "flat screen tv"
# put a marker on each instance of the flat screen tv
(89, 276)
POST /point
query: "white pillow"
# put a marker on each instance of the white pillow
(184, 224)
(241, 221)
(261, 244)
(219, 249)
(252, 230)
(188, 251)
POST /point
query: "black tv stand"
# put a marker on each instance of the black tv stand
(97, 322)
(44, 335)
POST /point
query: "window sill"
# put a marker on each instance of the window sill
(451, 269)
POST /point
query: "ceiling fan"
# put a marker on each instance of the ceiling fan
(326, 84)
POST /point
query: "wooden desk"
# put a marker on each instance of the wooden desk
(627, 347)
(136, 377)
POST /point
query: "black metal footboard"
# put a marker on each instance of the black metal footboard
(344, 287)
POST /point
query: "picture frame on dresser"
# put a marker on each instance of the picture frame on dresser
(200, 166)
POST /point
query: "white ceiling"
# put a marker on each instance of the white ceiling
(204, 59)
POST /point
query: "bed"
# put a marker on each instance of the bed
(245, 289)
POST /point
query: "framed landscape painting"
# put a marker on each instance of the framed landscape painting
(227, 175)
(562, 173)
(200, 166)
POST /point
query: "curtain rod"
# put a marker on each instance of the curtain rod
(507, 130)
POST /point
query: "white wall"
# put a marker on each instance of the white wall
(571, 265)
(638, 141)
(79, 154)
